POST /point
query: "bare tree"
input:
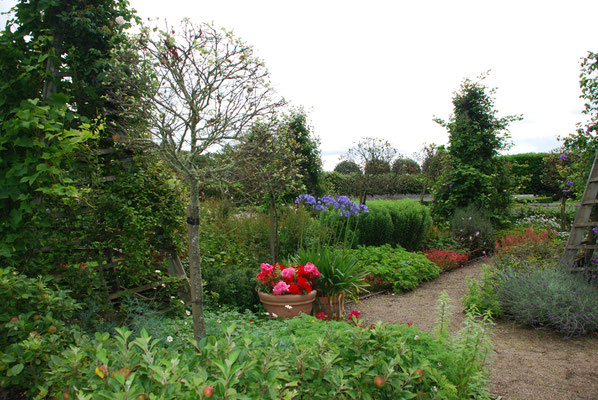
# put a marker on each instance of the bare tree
(209, 88)
(370, 152)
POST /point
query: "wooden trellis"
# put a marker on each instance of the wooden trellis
(582, 237)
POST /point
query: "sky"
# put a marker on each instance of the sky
(385, 69)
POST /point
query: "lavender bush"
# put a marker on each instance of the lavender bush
(549, 297)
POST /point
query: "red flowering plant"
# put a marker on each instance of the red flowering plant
(279, 280)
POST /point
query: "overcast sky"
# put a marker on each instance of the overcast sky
(386, 68)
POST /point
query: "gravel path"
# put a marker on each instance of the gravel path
(528, 364)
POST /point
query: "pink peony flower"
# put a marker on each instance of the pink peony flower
(312, 270)
(266, 268)
(288, 274)
(280, 288)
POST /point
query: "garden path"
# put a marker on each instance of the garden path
(527, 364)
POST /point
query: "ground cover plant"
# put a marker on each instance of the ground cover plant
(264, 358)
(394, 268)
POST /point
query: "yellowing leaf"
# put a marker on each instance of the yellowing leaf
(99, 372)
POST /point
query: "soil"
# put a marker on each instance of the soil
(527, 364)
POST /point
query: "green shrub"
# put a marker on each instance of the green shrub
(482, 296)
(297, 358)
(33, 327)
(396, 222)
(402, 270)
(375, 228)
(551, 298)
(473, 230)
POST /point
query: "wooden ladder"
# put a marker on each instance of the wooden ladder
(581, 236)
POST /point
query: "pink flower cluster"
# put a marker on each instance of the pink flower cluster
(279, 280)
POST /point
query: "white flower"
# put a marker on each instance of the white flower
(274, 315)
(185, 322)
(169, 339)
(440, 364)
(163, 285)
(182, 302)
(120, 20)
(187, 312)
(477, 233)
(288, 306)
(416, 337)
(158, 271)
(434, 389)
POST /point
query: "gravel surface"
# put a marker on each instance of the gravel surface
(527, 364)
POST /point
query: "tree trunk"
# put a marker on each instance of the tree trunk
(199, 326)
(563, 215)
(273, 229)
(423, 192)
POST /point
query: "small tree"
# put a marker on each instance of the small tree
(373, 155)
(268, 164)
(209, 89)
(347, 167)
(476, 135)
(403, 165)
(435, 161)
(310, 165)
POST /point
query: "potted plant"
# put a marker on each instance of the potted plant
(341, 276)
(287, 291)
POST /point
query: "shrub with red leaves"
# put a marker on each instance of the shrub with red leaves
(446, 259)
(527, 243)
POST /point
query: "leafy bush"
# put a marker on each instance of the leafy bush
(232, 285)
(296, 358)
(409, 223)
(32, 327)
(482, 296)
(401, 269)
(549, 297)
(473, 230)
(445, 259)
(375, 228)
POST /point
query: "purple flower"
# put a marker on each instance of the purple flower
(563, 157)
(450, 186)
(306, 198)
(327, 200)
(566, 191)
(569, 183)
(363, 208)
(595, 230)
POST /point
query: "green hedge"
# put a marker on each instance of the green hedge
(380, 184)
(526, 170)
(396, 222)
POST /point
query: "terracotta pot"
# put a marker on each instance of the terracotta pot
(332, 307)
(299, 303)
